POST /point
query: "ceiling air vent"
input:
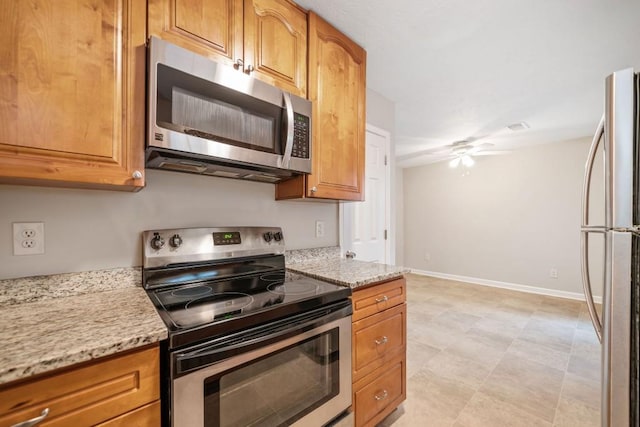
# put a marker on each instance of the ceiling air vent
(518, 126)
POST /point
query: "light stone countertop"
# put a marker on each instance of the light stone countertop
(65, 322)
(56, 321)
(346, 272)
(41, 288)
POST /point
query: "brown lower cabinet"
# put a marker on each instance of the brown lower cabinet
(116, 391)
(379, 350)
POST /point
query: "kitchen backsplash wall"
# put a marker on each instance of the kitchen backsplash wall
(91, 230)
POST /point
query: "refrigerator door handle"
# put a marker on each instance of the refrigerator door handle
(586, 282)
(586, 185)
(586, 229)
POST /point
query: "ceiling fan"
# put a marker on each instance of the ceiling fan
(458, 153)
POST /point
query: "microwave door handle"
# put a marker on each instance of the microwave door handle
(286, 159)
(586, 229)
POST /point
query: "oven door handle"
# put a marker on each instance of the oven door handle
(251, 339)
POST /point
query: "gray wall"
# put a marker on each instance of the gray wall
(93, 229)
(512, 219)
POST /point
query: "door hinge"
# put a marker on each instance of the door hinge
(385, 234)
(385, 160)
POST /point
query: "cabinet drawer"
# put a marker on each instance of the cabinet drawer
(147, 416)
(377, 298)
(378, 338)
(380, 393)
(87, 395)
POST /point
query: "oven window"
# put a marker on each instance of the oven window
(277, 389)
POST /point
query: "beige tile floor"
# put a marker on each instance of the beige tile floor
(480, 356)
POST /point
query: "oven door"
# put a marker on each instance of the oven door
(293, 373)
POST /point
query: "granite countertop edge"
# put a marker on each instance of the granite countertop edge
(327, 264)
(93, 314)
(47, 364)
(354, 283)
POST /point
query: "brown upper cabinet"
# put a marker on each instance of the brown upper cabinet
(337, 86)
(264, 38)
(72, 84)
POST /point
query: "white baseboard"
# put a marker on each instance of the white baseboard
(506, 285)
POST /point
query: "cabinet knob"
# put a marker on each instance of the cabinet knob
(382, 340)
(314, 189)
(384, 298)
(249, 69)
(136, 175)
(34, 421)
(382, 395)
(239, 64)
(350, 254)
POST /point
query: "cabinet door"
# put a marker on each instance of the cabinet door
(275, 43)
(378, 297)
(337, 88)
(90, 394)
(378, 338)
(72, 83)
(211, 28)
(378, 394)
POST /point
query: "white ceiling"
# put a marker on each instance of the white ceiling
(457, 68)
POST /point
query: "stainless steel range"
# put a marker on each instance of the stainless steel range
(246, 347)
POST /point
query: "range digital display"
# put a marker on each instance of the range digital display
(226, 238)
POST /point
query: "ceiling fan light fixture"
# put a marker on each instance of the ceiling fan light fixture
(454, 163)
(467, 160)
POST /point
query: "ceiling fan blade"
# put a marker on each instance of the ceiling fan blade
(428, 152)
(480, 147)
(492, 152)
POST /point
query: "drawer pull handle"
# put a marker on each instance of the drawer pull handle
(383, 340)
(381, 396)
(384, 298)
(33, 421)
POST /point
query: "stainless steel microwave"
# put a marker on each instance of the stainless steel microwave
(209, 118)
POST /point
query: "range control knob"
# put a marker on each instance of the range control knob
(277, 236)
(157, 242)
(268, 236)
(175, 241)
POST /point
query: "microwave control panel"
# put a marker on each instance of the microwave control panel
(300, 136)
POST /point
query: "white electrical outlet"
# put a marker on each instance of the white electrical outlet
(319, 228)
(28, 238)
(553, 273)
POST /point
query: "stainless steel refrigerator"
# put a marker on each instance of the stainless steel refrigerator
(617, 326)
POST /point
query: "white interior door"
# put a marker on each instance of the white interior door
(365, 224)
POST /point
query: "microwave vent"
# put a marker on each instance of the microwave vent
(183, 166)
(158, 158)
(223, 174)
(264, 178)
